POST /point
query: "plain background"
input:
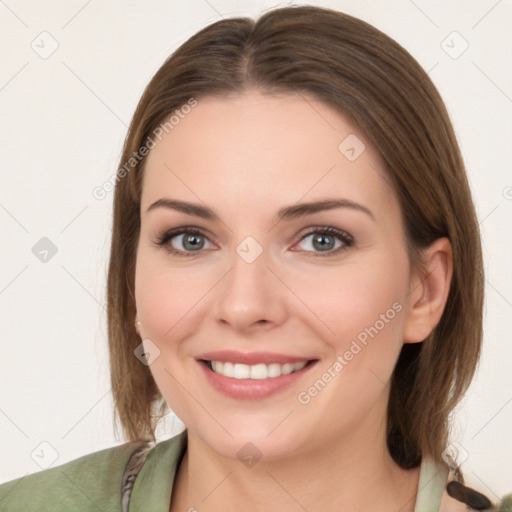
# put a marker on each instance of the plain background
(64, 119)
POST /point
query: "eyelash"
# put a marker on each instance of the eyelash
(343, 236)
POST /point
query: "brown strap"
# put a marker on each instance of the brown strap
(470, 497)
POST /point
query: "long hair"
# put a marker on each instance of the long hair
(377, 85)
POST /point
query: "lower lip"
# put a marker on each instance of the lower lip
(253, 389)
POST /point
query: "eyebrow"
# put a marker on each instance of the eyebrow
(287, 213)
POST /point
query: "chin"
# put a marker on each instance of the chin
(255, 440)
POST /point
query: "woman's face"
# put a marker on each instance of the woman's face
(260, 287)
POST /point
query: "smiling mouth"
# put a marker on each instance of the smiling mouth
(257, 371)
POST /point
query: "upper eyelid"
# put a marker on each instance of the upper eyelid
(186, 229)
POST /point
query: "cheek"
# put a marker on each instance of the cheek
(158, 304)
(169, 299)
(357, 298)
(363, 305)
(165, 299)
(365, 309)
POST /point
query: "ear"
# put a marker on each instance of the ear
(429, 290)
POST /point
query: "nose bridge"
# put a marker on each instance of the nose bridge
(250, 292)
(249, 265)
(249, 268)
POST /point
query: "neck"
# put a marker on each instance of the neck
(353, 474)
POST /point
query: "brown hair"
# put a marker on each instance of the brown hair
(381, 89)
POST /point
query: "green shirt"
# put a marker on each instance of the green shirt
(94, 481)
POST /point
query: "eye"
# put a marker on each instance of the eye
(184, 241)
(319, 240)
(324, 240)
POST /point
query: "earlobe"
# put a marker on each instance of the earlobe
(137, 325)
(429, 292)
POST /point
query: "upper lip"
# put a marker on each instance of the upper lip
(251, 358)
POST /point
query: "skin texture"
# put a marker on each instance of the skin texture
(245, 158)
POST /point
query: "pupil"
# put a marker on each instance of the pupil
(321, 241)
(192, 242)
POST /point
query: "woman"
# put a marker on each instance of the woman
(296, 272)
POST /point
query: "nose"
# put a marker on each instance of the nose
(251, 296)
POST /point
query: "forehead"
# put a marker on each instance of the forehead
(254, 149)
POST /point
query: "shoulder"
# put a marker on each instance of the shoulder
(92, 481)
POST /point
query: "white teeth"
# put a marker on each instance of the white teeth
(228, 369)
(257, 371)
(274, 370)
(287, 368)
(241, 371)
